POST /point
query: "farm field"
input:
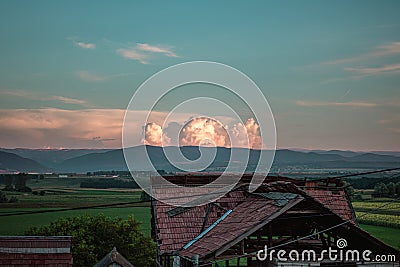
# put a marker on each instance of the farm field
(66, 199)
(72, 198)
(381, 218)
(378, 213)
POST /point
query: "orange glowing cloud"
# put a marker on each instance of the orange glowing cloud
(204, 131)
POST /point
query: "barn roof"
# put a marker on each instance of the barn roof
(247, 217)
(209, 230)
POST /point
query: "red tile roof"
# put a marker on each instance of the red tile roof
(35, 251)
(336, 201)
(174, 232)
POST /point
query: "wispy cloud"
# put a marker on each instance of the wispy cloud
(156, 49)
(396, 130)
(90, 77)
(67, 100)
(34, 96)
(93, 77)
(143, 52)
(81, 44)
(387, 69)
(379, 51)
(85, 45)
(133, 54)
(359, 104)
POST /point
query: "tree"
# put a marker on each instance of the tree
(349, 189)
(380, 189)
(391, 187)
(95, 236)
(8, 180)
(3, 197)
(398, 188)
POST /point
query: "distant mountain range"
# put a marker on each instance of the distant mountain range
(51, 157)
(10, 162)
(84, 160)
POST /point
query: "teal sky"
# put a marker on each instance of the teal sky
(329, 69)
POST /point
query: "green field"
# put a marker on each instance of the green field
(390, 236)
(66, 198)
(72, 198)
(16, 225)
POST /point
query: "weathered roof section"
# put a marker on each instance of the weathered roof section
(176, 226)
(336, 201)
(113, 258)
(247, 217)
(35, 251)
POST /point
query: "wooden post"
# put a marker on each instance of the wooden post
(250, 261)
(195, 260)
(269, 236)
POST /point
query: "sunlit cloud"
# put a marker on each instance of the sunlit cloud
(203, 131)
(61, 128)
(154, 135)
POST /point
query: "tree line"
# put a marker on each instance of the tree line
(103, 183)
(389, 189)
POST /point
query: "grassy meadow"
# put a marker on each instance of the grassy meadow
(64, 194)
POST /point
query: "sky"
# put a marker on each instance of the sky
(330, 70)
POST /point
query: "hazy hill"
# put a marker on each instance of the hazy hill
(83, 160)
(51, 157)
(13, 162)
(114, 160)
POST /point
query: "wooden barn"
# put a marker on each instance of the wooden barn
(282, 214)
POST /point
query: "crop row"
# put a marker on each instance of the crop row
(385, 220)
